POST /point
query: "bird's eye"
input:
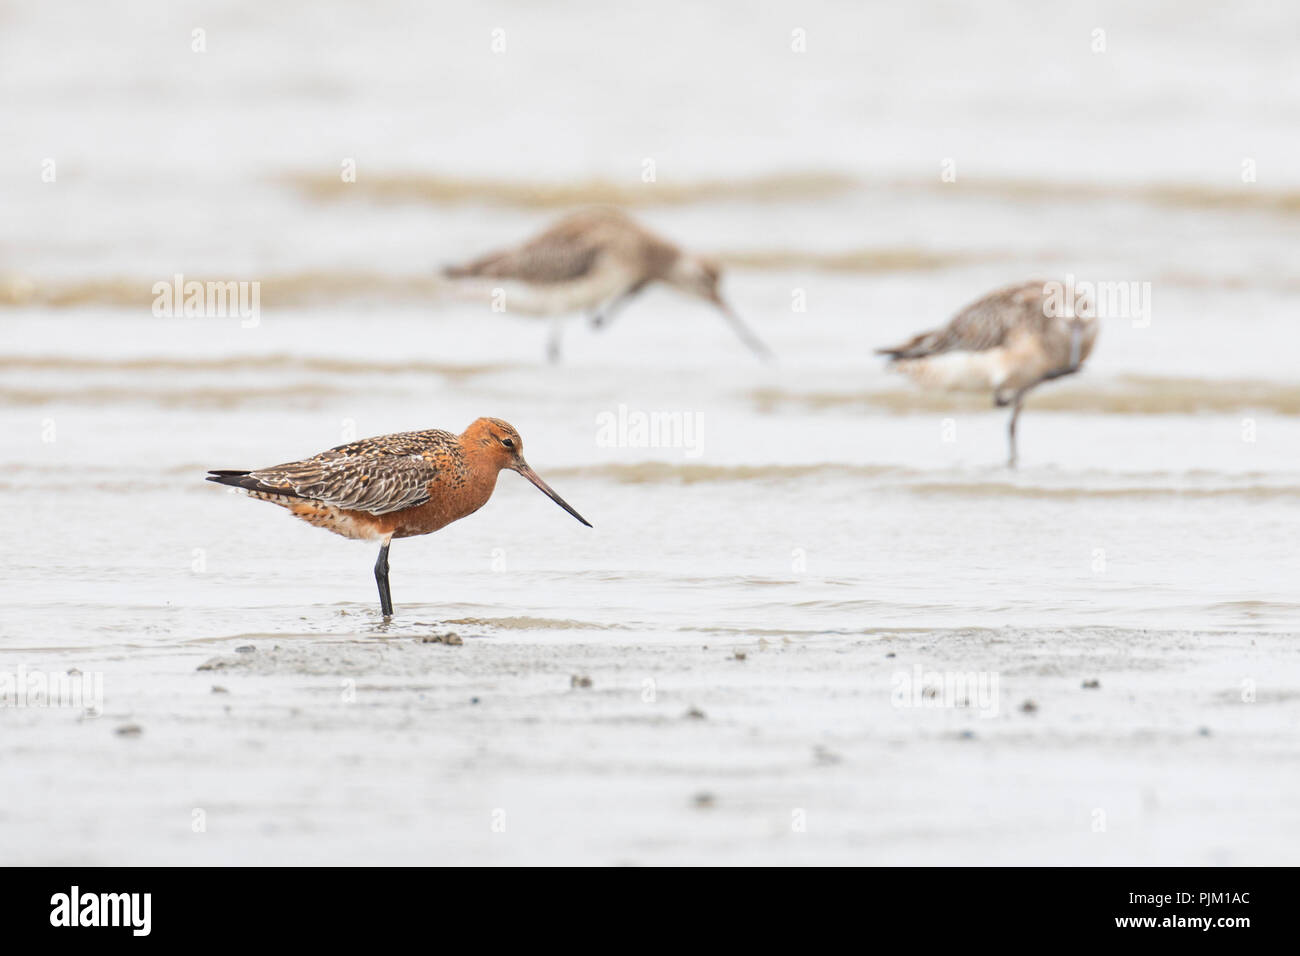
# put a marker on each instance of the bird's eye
(508, 442)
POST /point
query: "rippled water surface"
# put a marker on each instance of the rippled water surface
(817, 495)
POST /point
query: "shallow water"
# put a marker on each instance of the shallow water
(818, 498)
(814, 497)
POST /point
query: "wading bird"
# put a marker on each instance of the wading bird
(394, 486)
(1008, 342)
(597, 261)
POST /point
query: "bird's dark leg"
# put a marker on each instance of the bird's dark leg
(1018, 398)
(553, 343)
(1059, 373)
(604, 315)
(1011, 428)
(381, 578)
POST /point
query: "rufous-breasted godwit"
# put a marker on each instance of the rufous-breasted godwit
(597, 261)
(395, 486)
(1008, 342)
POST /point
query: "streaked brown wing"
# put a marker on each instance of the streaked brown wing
(557, 255)
(976, 329)
(375, 483)
(982, 325)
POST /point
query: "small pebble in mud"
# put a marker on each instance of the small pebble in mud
(1091, 684)
(448, 638)
(579, 680)
(129, 730)
(218, 689)
(704, 800)
(245, 649)
(1029, 707)
(738, 656)
(695, 714)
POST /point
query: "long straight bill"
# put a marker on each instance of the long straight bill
(549, 492)
(746, 334)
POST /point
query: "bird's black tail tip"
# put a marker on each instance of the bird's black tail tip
(227, 476)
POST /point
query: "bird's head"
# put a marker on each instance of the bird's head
(697, 276)
(701, 277)
(1077, 325)
(497, 442)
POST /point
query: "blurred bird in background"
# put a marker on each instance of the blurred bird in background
(596, 261)
(1008, 342)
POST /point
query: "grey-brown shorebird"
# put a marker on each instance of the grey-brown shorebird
(394, 486)
(597, 261)
(1008, 342)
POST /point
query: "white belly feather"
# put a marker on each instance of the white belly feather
(959, 371)
(602, 283)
